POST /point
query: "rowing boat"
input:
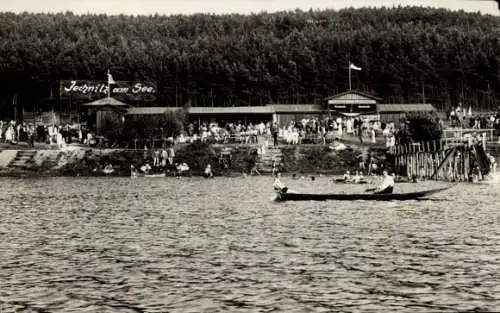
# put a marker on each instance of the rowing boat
(158, 175)
(155, 175)
(295, 196)
(343, 181)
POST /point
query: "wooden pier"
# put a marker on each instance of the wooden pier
(459, 159)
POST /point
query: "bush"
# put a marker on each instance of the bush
(112, 127)
(320, 159)
(421, 127)
(170, 124)
(197, 155)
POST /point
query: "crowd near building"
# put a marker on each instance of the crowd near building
(352, 113)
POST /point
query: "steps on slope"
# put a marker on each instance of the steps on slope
(23, 159)
(265, 162)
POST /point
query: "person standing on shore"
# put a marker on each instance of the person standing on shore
(156, 158)
(274, 131)
(171, 155)
(274, 168)
(31, 135)
(164, 157)
(360, 130)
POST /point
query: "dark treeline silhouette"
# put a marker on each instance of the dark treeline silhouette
(407, 55)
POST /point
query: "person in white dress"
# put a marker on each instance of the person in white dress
(278, 185)
(387, 184)
(9, 134)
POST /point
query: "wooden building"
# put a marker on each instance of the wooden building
(285, 113)
(243, 114)
(145, 111)
(351, 102)
(395, 112)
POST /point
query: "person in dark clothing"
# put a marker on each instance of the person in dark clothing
(31, 135)
(360, 131)
(274, 131)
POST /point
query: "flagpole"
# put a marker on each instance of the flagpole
(349, 75)
(109, 86)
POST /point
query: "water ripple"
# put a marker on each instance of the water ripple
(194, 245)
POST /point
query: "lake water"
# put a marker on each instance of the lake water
(195, 245)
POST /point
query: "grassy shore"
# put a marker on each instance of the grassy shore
(297, 159)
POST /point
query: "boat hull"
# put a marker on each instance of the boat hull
(159, 175)
(292, 196)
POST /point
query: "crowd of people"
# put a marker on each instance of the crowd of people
(304, 130)
(460, 118)
(316, 130)
(51, 134)
(224, 132)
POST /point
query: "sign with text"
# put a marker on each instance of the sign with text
(120, 90)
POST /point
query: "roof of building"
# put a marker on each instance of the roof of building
(410, 107)
(275, 108)
(150, 110)
(106, 102)
(231, 110)
(353, 93)
(296, 108)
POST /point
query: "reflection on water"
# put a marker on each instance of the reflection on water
(194, 245)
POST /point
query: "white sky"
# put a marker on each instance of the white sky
(226, 6)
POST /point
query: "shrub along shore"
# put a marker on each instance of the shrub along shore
(225, 160)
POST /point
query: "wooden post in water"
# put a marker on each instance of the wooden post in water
(434, 160)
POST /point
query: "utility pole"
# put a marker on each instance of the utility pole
(211, 97)
(489, 97)
(423, 92)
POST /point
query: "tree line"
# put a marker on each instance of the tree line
(407, 54)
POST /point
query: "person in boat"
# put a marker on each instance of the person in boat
(356, 178)
(181, 168)
(208, 172)
(347, 176)
(108, 169)
(278, 185)
(146, 168)
(387, 185)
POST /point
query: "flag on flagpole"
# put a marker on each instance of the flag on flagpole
(354, 67)
(110, 79)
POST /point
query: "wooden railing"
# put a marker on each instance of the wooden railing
(448, 158)
(460, 137)
(489, 133)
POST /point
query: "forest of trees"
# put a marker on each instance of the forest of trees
(287, 57)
